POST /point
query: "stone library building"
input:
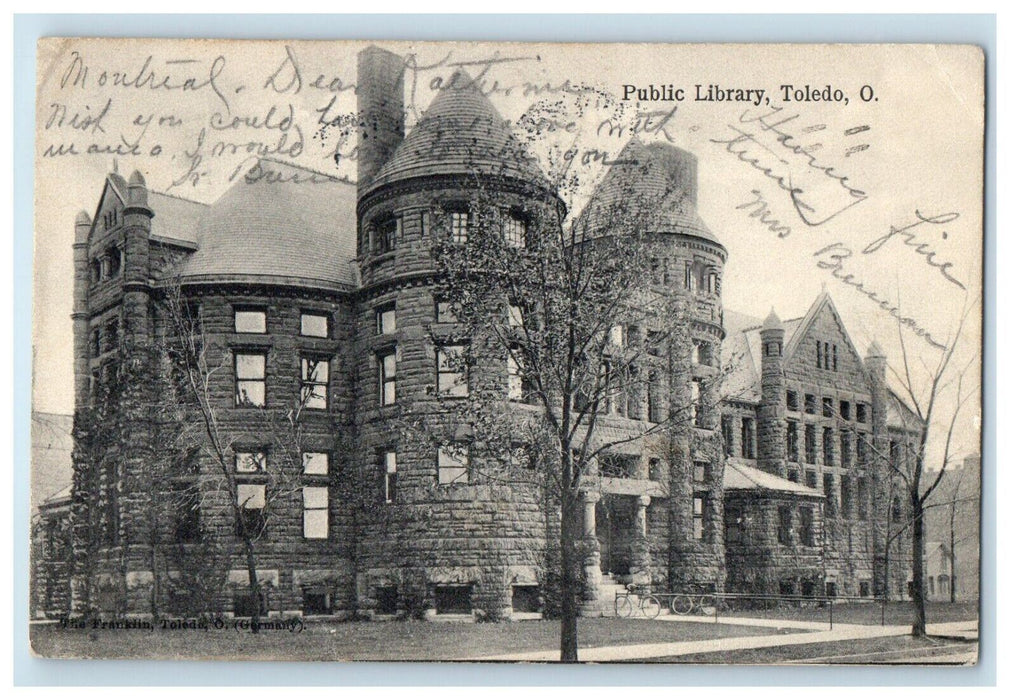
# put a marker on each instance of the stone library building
(317, 292)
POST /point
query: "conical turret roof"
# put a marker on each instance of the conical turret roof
(460, 133)
(655, 184)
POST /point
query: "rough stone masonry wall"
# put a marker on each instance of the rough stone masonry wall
(489, 533)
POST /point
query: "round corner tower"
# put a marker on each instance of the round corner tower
(436, 538)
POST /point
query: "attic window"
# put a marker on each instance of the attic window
(110, 219)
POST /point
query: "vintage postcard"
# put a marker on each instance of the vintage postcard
(634, 352)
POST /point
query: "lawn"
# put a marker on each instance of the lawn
(881, 650)
(897, 613)
(369, 641)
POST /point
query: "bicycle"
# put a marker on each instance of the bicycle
(689, 603)
(648, 603)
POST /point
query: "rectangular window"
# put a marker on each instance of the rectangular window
(834, 358)
(698, 404)
(387, 377)
(315, 512)
(810, 479)
(827, 407)
(810, 404)
(250, 379)
(315, 463)
(515, 314)
(514, 230)
(515, 378)
(314, 382)
(862, 490)
(811, 444)
(845, 449)
(792, 401)
(727, 433)
(388, 463)
(654, 343)
(826, 355)
(828, 446)
(316, 601)
(785, 531)
(831, 498)
(700, 472)
(748, 438)
(386, 232)
(314, 325)
(655, 399)
(525, 599)
(734, 526)
(806, 526)
(454, 464)
(792, 475)
(251, 496)
(443, 312)
(249, 462)
(792, 441)
(453, 600)
(846, 503)
(388, 600)
(698, 515)
(385, 319)
(96, 342)
(861, 413)
(186, 507)
(819, 354)
(249, 320)
(845, 410)
(110, 334)
(453, 378)
(459, 225)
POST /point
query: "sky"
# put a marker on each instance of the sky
(897, 151)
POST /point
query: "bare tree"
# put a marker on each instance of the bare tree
(197, 364)
(930, 395)
(584, 323)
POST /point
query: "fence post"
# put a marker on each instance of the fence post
(831, 613)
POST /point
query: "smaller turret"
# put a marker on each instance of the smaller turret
(772, 428)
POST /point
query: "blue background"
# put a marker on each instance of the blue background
(967, 29)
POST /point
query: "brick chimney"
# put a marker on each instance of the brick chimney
(380, 107)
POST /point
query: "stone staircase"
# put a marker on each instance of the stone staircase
(609, 587)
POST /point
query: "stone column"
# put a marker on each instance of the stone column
(590, 548)
(640, 544)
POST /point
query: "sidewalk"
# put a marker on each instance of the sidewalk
(817, 632)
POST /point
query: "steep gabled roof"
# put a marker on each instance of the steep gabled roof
(655, 182)
(176, 219)
(461, 133)
(278, 223)
(823, 301)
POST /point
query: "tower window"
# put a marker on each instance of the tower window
(810, 404)
(785, 531)
(810, 444)
(315, 512)
(249, 387)
(861, 413)
(314, 382)
(314, 325)
(315, 463)
(459, 223)
(247, 320)
(792, 400)
(748, 438)
(792, 441)
(451, 369)
(386, 232)
(385, 319)
(698, 516)
(514, 230)
(388, 465)
(845, 410)
(387, 377)
(454, 464)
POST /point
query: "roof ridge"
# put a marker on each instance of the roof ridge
(178, 197)
(298, 166)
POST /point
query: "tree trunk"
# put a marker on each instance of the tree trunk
(255, 587)
(569, 578)
(953, 544)
(918, 567)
